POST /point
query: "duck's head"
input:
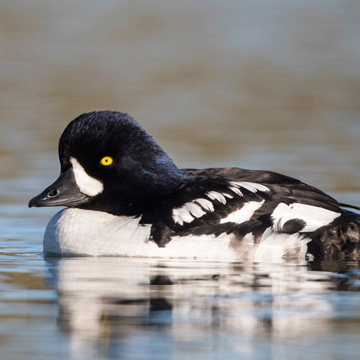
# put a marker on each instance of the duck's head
(109, 163)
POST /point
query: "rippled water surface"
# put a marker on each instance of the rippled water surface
(156, 309)
(256, 84)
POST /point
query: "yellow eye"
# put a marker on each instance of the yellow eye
(106, 161)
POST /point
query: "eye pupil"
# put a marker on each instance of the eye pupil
(107, 160)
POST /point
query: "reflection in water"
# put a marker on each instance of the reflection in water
(138, 306)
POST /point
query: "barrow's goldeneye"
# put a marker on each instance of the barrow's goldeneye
(125, 196)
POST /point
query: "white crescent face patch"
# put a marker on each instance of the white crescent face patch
(86, 184)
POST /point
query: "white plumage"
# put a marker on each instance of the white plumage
(87, 184)
(108, 235)
(244, 213)
(313, 216)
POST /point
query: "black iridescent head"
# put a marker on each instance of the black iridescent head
(109, 163)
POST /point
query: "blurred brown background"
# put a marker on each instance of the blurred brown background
(265, 84)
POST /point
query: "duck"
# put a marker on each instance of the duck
(124, 196)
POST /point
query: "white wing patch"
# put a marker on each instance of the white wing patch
(243, 214)
(187, 213)
(251, 186)
(236, 190)
(214, 195)
(206, 204)
(86, 184)
(313, 216)
(198, 207)
(191, 210)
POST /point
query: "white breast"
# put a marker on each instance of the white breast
(96, 233)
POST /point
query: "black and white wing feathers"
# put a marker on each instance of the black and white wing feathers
(242, 202)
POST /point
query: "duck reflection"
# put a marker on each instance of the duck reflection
(138, 305)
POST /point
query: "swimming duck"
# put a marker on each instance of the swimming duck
(125, 196)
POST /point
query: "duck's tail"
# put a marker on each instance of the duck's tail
(338, 242)
(350, 206)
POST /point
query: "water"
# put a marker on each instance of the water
(268, 85)
(90, 308)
